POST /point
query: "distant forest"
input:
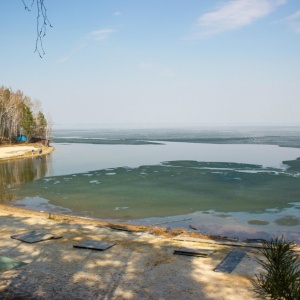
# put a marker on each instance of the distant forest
(20, 116)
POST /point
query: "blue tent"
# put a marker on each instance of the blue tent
(21, 138)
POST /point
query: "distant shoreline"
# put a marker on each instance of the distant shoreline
(17, 151)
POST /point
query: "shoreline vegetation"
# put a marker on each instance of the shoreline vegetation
(22, 119)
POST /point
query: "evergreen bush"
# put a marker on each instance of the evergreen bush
(281, 276)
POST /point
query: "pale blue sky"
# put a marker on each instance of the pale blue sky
(157, 61)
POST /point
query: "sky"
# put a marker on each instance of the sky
(157, 61)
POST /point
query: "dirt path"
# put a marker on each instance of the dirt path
(140, 265)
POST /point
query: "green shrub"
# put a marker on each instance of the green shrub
(281, 276)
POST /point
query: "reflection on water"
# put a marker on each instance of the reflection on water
(14, 173)
(78, 158)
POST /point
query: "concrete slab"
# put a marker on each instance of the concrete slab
(34, 237)
(94, 245)
(231, 261)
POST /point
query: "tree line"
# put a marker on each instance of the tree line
(20, 115)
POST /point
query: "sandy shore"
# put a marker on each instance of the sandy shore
(140, 266)
(22, 151)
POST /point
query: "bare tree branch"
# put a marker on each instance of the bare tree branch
(42, 22)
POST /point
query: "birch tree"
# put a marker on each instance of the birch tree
(20, 115)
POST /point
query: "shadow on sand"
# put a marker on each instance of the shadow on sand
(139, 266)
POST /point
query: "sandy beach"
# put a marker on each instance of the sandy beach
(22, 151)
(141, 265)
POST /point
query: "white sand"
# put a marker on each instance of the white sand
(8, 152)
(139, 266)
(22, 151)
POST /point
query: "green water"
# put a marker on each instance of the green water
(245, 190)
(169, 189)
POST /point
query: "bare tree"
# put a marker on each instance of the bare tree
(42, 22)
(48, 131)
(19, 114)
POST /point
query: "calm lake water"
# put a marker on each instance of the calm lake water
(234, 182)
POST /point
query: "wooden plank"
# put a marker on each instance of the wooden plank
(225, 243)
(94, 245)
(121, 229)
(217, 242)
(193, 252)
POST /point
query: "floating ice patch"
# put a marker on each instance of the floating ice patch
(260, 171)
(143, 173)
(122, 207)
(47, 179)
(206, 168)
(95, 181)
(294, 203)
(89, 175)
(273, 210)
(68, 178)
(110, 173)
(39, 203)
(56, 182)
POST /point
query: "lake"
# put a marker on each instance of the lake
(235, 182)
